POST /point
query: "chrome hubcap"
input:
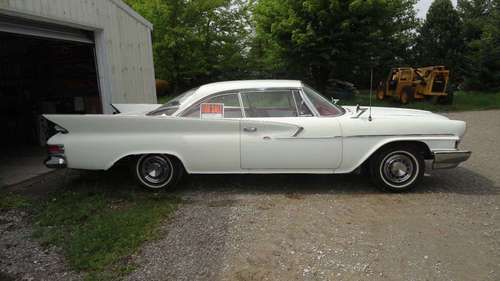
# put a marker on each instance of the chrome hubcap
(155, 169)
(398, 168)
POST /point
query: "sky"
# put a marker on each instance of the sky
(423, 5)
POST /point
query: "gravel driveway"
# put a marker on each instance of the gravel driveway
(307, 227)
(315, 227)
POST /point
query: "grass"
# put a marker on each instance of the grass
(98, 229)
(463, 101)
(10, 201)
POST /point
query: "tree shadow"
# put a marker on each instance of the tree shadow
(460, 181)
(120, 180)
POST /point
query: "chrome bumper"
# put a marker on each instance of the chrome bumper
(55, 162)
(449, 159)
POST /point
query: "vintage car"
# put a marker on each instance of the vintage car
(258, 127)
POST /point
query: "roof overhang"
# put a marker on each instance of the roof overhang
(122, 5)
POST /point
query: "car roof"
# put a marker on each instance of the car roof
(217, 87)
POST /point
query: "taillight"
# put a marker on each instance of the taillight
(55, 149)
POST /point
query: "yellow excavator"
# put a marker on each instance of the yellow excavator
(405, 84)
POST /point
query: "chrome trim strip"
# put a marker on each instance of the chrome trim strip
(240, 99)
(358, 114)
(449, 159)
(309, 104)
(55, 161)
(299, 130)
(306, 138)
(295, 102)
(401, 135)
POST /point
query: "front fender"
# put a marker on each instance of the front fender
(357, 149)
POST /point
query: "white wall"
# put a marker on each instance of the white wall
(123, 42)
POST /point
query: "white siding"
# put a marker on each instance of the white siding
(125, 60)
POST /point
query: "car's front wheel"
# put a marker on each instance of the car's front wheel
(397, 168)
(157, 171)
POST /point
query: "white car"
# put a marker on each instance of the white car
(258, 127)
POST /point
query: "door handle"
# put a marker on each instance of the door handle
(250, 129)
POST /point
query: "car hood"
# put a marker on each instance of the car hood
(391, 112)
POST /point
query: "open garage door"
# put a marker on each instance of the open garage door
(26, 27)
(44, 69)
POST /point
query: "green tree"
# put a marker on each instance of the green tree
(440, 40)
(474, 14)
(319, 39)
(197, 41)
(481, 20)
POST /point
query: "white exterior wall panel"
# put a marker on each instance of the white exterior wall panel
(122, 37)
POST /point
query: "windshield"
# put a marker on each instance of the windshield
(322, 105)
(172, 105)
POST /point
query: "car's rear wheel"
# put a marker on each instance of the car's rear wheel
(398, 168)
(158, 171)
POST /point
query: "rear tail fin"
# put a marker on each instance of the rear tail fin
(134, 107)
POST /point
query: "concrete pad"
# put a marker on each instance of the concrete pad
(18, 164)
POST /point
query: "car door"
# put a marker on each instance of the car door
(279, 131)
(211, 137)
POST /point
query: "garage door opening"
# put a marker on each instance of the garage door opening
(40, 76)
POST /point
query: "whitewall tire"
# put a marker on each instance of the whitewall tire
(397, 168)
(157, 172)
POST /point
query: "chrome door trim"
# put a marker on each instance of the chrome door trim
(308, 138)
(401, 135)
(299, 130)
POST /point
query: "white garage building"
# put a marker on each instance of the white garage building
(71, 57)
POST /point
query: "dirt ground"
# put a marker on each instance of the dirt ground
(297, 227)
(331, 227)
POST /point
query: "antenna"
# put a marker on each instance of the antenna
(371, 86)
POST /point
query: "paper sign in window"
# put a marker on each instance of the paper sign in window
(212, 110)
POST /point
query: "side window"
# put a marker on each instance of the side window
(323, 106)
(232, 108)
(276, 103)
(302, 108)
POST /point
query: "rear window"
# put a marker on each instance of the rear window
(172, 105)
(231, 102)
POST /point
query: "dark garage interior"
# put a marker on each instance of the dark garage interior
(40, 76)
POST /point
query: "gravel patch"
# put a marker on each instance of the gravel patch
(192, 244)
(22, 258)
(320, 227)
(312, 227)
